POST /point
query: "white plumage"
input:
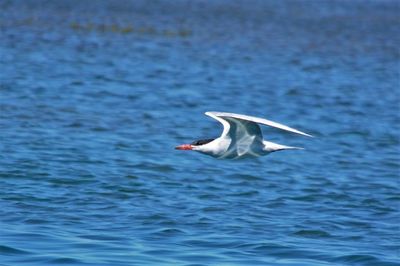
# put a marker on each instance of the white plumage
(241, 137)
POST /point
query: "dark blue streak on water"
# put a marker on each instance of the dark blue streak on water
(95, 95)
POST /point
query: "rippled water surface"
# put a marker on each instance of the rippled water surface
(94, 96)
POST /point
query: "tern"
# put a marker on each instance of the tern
(241, 138)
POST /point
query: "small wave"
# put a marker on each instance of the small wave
(102, 237)
(245, 193)
(170, 232)
(11, 251)
(312, 233)
(245, 177)
(156, 167)
(213, 209)
(36, 221)
(65, 261)
(360, 259)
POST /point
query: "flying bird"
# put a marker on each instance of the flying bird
(241, 138)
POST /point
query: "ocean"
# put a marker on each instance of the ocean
(95, 95)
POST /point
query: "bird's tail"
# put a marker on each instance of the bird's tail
(271, 147)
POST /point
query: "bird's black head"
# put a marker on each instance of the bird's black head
(201, 142)
(195, 145)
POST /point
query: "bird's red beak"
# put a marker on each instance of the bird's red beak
(184, 147)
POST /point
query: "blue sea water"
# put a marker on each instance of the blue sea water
(94, 95)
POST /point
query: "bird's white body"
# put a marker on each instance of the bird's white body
(241, 137)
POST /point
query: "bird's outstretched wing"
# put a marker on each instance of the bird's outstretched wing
(242, 135)
(235, 127)
(227, 120)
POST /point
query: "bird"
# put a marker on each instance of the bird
(241, 138)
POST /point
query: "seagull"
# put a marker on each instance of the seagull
(241, 138)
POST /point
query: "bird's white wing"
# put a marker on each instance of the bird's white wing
(221, 120)
(243, 135)
(220, 116)
(236, 127)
